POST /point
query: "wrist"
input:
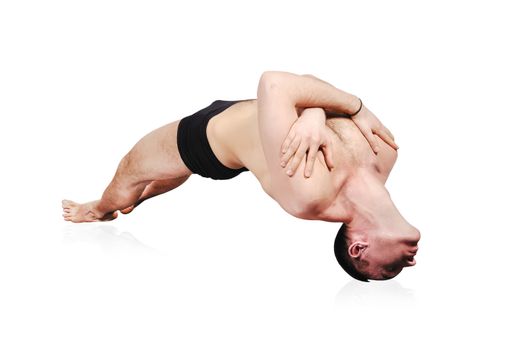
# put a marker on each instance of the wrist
(354, 106)
(314, 111)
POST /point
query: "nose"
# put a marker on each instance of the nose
(414, 237)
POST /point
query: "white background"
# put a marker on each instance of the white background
(218, 264)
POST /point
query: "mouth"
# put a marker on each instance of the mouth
(410, 256)
(410, 261)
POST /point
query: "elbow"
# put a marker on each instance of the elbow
(276, 81)
(269, 83)
(273, 74)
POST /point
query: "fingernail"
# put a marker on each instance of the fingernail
(376, 149)
(289, 172)
(282, 164)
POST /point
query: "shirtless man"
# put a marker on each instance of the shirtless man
(315, 168)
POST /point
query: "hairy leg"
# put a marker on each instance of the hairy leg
(154, 158)
(156, 188)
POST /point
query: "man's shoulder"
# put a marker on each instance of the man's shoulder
(323, 200)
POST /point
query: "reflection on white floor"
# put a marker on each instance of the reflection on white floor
(389, 292)
(105, 237)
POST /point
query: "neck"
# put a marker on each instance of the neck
(372, 212)
(368, 201)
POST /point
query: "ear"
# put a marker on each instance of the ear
(357, 248)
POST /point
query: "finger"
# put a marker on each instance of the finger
(290, 137)
(291, 150)
(328, 155)
(293, 146)
(386, 138)
(389, 133)
(373, 142)
(389, 140)
(310, 160)
(368, 135)
(299, 155)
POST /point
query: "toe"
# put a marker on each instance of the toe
(67, 203)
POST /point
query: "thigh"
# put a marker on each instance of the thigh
(156, 156)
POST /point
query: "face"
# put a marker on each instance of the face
(387, 256)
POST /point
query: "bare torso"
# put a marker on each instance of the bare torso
(234, 137)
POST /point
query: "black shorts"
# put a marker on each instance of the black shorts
(194, 146)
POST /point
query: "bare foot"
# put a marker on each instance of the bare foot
(86, 212)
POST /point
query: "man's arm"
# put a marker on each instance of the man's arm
(313, 77)
(279, 93)
(329, 112)
(309, 91)
(366, 121)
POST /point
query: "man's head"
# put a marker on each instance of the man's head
(372, 254)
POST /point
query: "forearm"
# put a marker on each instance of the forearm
(328, 112)
(307, 91)
(313, 77)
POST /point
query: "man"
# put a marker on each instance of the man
(341, 179)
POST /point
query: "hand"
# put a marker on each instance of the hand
(370, 125)
(307, 134)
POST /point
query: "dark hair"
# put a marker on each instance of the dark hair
(341, 253)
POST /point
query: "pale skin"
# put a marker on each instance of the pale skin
(282, 138)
